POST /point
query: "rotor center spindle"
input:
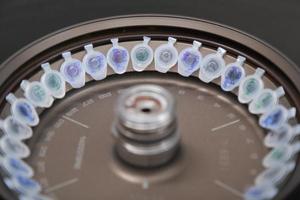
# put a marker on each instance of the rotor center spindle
(145, 128)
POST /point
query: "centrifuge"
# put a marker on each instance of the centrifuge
(149, 107)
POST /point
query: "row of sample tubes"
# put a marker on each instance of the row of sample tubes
(52, 85)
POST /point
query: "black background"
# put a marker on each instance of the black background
(274, 21)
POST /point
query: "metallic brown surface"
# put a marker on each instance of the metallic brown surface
(206, 156)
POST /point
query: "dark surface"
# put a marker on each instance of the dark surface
(276, 21)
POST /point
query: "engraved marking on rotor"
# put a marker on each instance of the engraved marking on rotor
(41, 167)
(224, 156)
(44, 182)
(200, 97)
(145, 184)
(224, 159)
(43, 151)
(88, 102)
(59, 123)
(231, 115)
(216, 105)
(61, 185)
(71, 112)
(80, 153)
(75, 121)
(228, 188)
(181, 92)
(225, 125)
(105, 95)
(49, 136)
